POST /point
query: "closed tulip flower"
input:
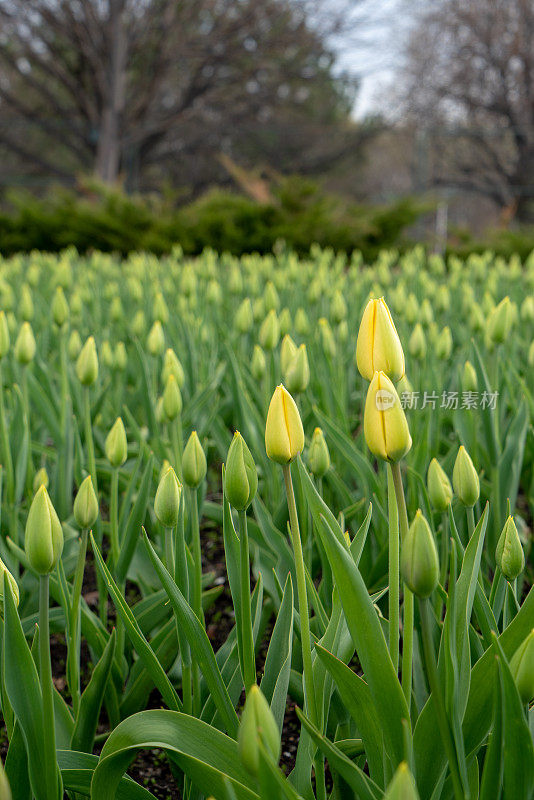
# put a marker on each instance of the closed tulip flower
(417, 343)
(378, 348)
(44, 534)
(257, 725)
(284, 434)
(167, 500)
(194, 464)
(522, 668)
(419, 558)
(172, 366)
(116, 445)
(469, 378)
(25, 345)
(269, 331)
(500, 321)
(60, 307)
(509, 553)
(297, 376)
(402, 785)
(288, 350)
(156, 339)
(444, 344)
(244, 319)
(439, 486)
(4, 335)
(74, 345)
(87, 363)
(384, 423)
(302, 325)
(86, 505)
(285, 321)
(465, 478)
(5, 575)
(240, 478)
(318, 455)
(172, 399)
(258, 364)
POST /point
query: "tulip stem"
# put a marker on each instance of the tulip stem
(407, 635)
(6, 449)
(89, 437)
(470, 521)
(393, 578)
(64, 375)
(435, 688)
(169, 551)
(47, 689)
(197, 557)
(177, 444)
(74, 625)
(114, 516)
(302, 596)
(248, 666)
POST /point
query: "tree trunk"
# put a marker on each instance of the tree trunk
(108, 157)
(523, 183)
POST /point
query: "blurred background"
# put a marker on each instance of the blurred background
(250, 124)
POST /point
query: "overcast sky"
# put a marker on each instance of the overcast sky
(377, 55)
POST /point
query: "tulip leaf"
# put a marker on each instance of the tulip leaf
(135, 520)
(84, 731)
(275, 681)
(205, 755)
(77, 771)
(492, 775)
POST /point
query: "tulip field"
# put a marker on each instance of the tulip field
(266, 527)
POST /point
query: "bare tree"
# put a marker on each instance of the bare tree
(160, 86)
(470, 88)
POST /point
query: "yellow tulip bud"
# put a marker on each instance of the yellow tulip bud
(156, 339)
(302, 325)
(60, 308)
(439, 486)
(384, 423)
(297, 375)
(244, 319)
(25, 344)
(378, 348)
(284, 435)
(288, 351)
(269, 331)
(172, 366)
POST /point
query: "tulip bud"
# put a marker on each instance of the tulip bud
(270, 297)
(288, 351)
(411, 309)
(269, 331)
(425, 312)
(74, 346)
(121, 359)
(385, 427)
(172, 399)
(156, 339)
(161, 312)
(25, 344)
(241, 479)
(439, 486)
(159, 412)
(60, 308)
(26, 303)
(509, 553)
(318, 455)
(5, 574)
(499, 323)
(40, 479)
(116, 445)
(172, 366)
(402, 785)
(302, 325)
(257, 725)
(4, 335)
(243, 318)
(285, 321)
(138, 323)
(87, 363)
(417, 343)
(522, 668)
(284, 435)
(465, 478)
(214, 293)
(297, 375)
(378, 347)
(338, 307)
(343, 331)
(106, 355)
(167, 500)
(419, 558)
(86, 505)
(44, 534)
(527, 309)
(194, 464)
(258, 365)
(469, 378)
(444, 344)
(327, 337)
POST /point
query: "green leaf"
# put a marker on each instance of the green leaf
(205, 755)
(275, 681)
(135, 520)
(84, 732)
(198, 641)
(77, 771)
(492, 775)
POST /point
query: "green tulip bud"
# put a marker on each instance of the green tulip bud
(327, 337)
(343, 331)
(297, 375)
(499, 322)
(106, 355)
(159, 412)
(138, 323)
(87, 363)
(74, 345)
(522, 668)
(257, 725)
(60, 307)
(156, 339)
(167, 500)
(426, 314)
(244, 319)
(419, 558)
(318, 455)
(469, 378)
(302, 325)
(172, 399)
(411, 309)
(5, 575)
(402, 786)
(115, 310)
(258, 364)
(25, 344)
(172, 366)
(465, 478)
(161, 312)
(241, 479)
(40, 479)
(121, 358)
(285, 321)
(527, 309)
(116, 445)
(86, 505)
(439, 486)
(444, 344)
(417, 342)
(26, 304)
(338, 307)
(194, 464)
(4, 335)
(288, 351)
(269, 331)
(214, 293)
(509, 553)
(44, 534)
(270, 297)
